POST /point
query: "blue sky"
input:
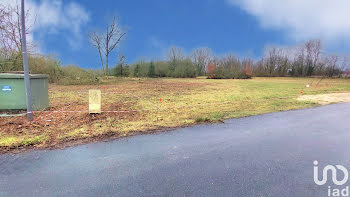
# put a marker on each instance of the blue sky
(244, 27)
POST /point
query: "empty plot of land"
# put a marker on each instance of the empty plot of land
(134, 106)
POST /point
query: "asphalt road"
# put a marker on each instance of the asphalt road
(266, 155)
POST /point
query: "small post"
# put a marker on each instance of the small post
(25, 66)
(94, 101)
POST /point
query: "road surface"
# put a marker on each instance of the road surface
(265, 155)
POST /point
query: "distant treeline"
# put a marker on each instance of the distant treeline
(300, 61)
(178, 65)
(303, 60)
(179, 69)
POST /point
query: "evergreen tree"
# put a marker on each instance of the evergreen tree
(151, 70)
(119, 70)
(122, 71)
(137, 71)
(126, 71)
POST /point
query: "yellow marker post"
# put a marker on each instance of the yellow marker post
(94, 101)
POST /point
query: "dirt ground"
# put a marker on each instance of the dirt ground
(325, 99)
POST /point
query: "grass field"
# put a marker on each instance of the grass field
(159, 104)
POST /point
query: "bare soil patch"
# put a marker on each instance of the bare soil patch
(325, 99)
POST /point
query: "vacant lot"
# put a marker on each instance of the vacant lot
(134, 106)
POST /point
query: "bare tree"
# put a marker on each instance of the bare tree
(202, 57)
(231, 65)
(343, 66)
(96, 40)
(120, 65)
(298, 61)
(271, 60)
(345, 63)
(3, 14)
(331, 62)
(313, 52)
(108, 41)
(11, 36)
(278, 61)
(174, 55)
(10, 28)
(114, 34)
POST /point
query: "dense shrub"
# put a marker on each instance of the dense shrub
(10, 61)
(151, 70)
(46, 65)
(38, 64)
(121, 71)
(136, 72)
(74, 75)
(185, 69)
(179, 69)
(230, 67)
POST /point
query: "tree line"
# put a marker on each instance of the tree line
(304, 60)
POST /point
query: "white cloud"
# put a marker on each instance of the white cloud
(302, 19)
(157, 43)
(157, 47)
(53, 17)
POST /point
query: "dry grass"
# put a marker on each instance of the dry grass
(159, 104)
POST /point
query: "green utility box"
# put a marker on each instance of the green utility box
(13, 94)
